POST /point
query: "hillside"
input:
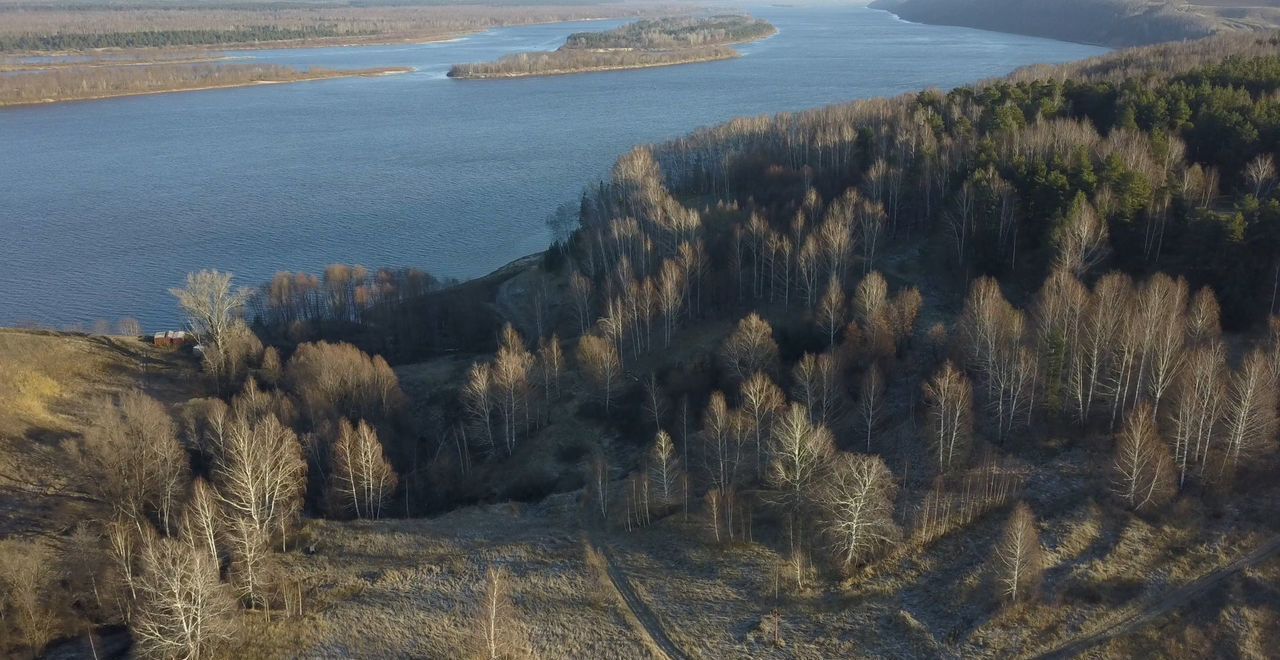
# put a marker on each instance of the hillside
(1105, 22)
(989, 372)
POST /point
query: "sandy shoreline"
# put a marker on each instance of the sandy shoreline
(601, 69)
(373, 73)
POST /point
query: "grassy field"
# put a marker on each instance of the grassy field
(50, 385)
(410, 588)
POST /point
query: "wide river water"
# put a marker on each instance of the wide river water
(104, 205)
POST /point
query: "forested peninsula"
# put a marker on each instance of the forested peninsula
(1106, 22)
(643, 44)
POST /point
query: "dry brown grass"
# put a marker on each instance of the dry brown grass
(409, 588)
(49, 385)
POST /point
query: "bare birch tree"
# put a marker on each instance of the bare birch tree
(857, 502)
(761, 400)
(550, 365)
(1260, 173)
(871, 401)
(511, 368)
(1250, 422)
(665, 472)
(1082, 240)
(211, 304)
(1018, 559)
(750, 348)
(950, 417)
(831, 311)
(260, 474)
(599, 359)
(498, 635)
(1144, 470)
(580, 291)
(133, 461)
(478, 399)
(184, 611)
(202, 520)
(1198, 405)
(801, 454)
(362, 477)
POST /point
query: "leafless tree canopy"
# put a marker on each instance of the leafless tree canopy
(133, 462)
(363, 478)
(1144, 470)
(211, 303)
(1018, 559)
(184, 611)
(950, 415)
(857, 502)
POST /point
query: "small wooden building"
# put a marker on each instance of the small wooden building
(173, 339)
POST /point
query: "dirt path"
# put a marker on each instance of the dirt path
(650, 626)
(1154, 607)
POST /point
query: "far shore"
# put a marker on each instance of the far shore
(328, 75)
(353, 41)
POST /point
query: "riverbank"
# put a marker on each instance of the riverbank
(1109, 23)
(303, 77)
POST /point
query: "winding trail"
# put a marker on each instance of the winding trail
(1153, 607)
(650, 626)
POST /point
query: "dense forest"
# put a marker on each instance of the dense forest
(660, 42)
(1028, 325)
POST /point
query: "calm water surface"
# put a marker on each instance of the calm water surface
(105, 205)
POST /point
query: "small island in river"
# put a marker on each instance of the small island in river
(643, 44)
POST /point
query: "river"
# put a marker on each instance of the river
(104, 205)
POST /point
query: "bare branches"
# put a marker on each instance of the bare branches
(950, 414)
(750, 348)
(761, 400)
(666, 475)
(1198, 404)
(26, 582)
(871, 401)
(857, 502)
(1018, 559)
(497, 626)
(212, 305)
(478, 400)
(599, 359)
(363, 479)
(1260, 174)
(184, 611)
(333, 381)
(1143, 467)
(831, 311)
(1082, 239)
(1251, 411)
(801, 453)
(133, 461)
